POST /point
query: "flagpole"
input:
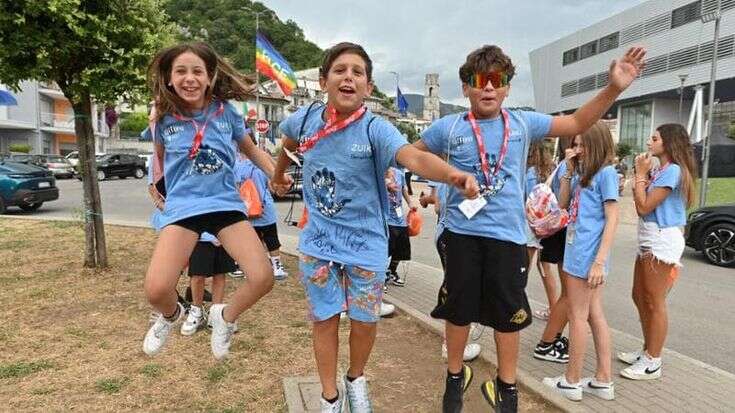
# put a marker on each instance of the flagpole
(396, 101)
(257, 82)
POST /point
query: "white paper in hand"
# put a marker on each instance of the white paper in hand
(469, 207)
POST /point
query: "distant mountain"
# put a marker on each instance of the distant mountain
(416, 105)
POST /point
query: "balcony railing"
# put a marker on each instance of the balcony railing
(57, 121)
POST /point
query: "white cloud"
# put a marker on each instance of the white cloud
(418, 37)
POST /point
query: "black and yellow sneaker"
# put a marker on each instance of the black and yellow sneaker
(502, 401)
(454, 390)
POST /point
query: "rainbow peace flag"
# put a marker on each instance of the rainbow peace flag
(271, 64)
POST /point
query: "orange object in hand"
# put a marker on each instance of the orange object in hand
(415, 222)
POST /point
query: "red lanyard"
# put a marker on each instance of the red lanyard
(574, 206)
(657, 174)
(481, 145)
(332, 126)
(199, 135)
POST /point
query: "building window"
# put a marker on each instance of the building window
(609, 42)
(685, 14)
(588, 49)
(570, 56)
(635, 125)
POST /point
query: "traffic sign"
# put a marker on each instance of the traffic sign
(262, 126)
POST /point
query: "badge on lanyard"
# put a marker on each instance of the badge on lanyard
(491, 187)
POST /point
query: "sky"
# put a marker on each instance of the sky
(413, 37)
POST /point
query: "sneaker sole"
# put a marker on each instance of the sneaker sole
(189, 334)
(551, 359)
(633, 376)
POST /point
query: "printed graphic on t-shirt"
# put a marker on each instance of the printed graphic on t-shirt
(324, 184)
(207, 161)
(496, 183)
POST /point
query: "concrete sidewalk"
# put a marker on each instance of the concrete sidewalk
(687, 385)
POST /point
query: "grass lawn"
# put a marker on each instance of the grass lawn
(71, 339)
(720, 191)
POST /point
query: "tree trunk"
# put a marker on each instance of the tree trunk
(94, 230)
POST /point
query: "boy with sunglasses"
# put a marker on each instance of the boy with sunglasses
(487, 266)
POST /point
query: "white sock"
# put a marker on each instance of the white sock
(652, 360)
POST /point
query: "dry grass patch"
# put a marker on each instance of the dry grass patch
(72, 338)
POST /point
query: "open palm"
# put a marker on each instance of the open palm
(625, 70)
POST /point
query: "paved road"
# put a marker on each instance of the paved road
(702, 320)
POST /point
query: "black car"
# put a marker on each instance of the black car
(120, 165)
(25, 186)
(712, 231)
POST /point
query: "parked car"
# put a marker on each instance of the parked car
(73, 158)
(59, 166)
(25, 186)
(120, 165)
(711, 230)
(28, 159)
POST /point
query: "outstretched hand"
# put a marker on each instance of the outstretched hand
(625, 70)
(281, 184)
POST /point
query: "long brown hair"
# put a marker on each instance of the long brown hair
(226, 81)
(599, 151)
(540, 158)
(680, 151)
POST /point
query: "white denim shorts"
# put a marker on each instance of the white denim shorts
(665, 244)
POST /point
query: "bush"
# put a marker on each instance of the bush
(20, 147)
(132, 124)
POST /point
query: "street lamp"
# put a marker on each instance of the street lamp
(683, 78)
(708, 17)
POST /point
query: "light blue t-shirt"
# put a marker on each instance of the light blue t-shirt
(207, 183)
(531, 179)
(587, 233)
(344, 188)
(671, 212)
(246, 169)
(394, 214)
(503, 217)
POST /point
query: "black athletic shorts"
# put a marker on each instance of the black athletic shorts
(208, 260)
(484, 282)
(269, 235)
(399, 244)
(212, 222)
(553, 247)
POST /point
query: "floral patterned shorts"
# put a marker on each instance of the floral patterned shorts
(332, 288)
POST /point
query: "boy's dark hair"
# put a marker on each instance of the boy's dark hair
(483, 60)
(341, 48)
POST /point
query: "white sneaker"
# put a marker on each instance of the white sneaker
(236, 274)
(279, 273)
(194, 321)
(222, 332)
(630, 357)
(209, 324)
(326, 407)
(602, 390)
(471, 351)
(646, 368)
(157, 334)
(570, 391)
(358, 399)
(386, 309)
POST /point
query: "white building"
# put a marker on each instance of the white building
(569, 71)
